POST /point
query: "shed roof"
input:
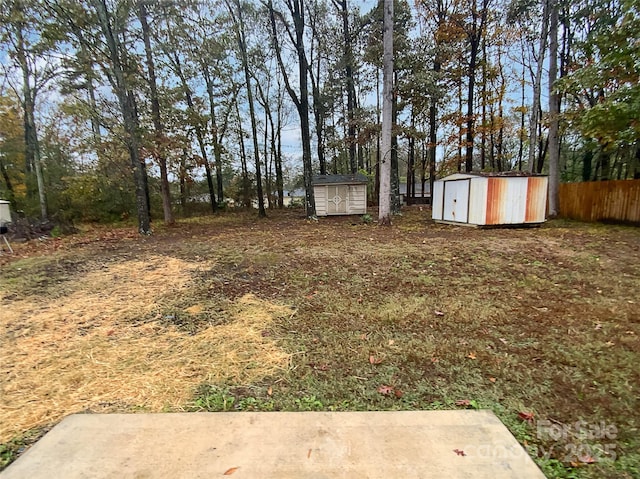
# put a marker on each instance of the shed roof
(357, 178)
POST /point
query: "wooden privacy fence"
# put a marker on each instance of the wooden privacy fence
(601, 201)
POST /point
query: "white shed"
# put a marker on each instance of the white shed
(485, 200)
(340, 194)
(5, 213)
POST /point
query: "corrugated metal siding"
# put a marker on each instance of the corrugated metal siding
(507, 200)
(496, 193)
(536, 199)
(478, 201)
(493, 200)
(516, 201)
(437, 200)
(456, 201)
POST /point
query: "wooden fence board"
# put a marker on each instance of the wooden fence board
(601, 201)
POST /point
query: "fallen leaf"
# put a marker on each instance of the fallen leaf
(319, 367)
(438, 313)
(459, 452)
(269, 391)
(230, 471)
(434, 360)
(398, 393)
(391, 342)
(374, 360)
(598, 327)
(526, 416)
(385, 390)
(463, 402)
(471, 355)
(493, 380)
(195, 309)
(588, 459)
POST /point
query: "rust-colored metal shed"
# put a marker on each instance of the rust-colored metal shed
(490, 200)
(340, 194)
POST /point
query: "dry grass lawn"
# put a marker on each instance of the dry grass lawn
(234, 313)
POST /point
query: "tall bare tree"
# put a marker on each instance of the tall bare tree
(475, 32)
(384, 201)
(120, 68)
(236, 14)
(554, 112)
(296, 11)
(159, 150)
(28, 41)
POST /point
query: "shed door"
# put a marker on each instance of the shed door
(456, 201)
(337, 199)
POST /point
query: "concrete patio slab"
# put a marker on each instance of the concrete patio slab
(300, 445)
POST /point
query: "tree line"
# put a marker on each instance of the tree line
(118, 107)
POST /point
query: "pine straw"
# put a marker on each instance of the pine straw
(84, 352)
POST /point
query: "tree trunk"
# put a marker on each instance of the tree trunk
(522, 132)
(188, 96)
(350, 84)
(216, 134)
(483, 94)
(411, 162)
(242, 45)
(159, 150)
(318, 104)
(129, 115)
(554, 113)
(460, 126)
(279, 176)
(395, 173)
(433, 131)
(246, 195)
(296, 9)
(500, 147)
(384, 205)
(475, 37)
(534, 120)
(32, 145)
(183, 181)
